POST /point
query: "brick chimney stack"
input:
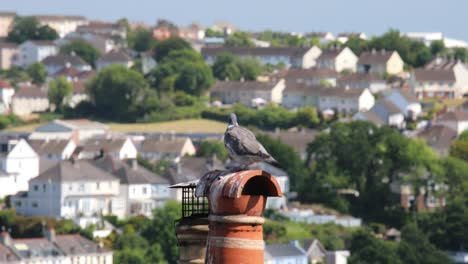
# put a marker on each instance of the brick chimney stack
(237, 201)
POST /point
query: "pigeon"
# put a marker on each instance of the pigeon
(243, 147)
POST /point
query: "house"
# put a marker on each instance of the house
(322, 37)
(191, 32)
(440, 79)
(249, 93)
(113, 30)
(188, 169)
(57, 150)
(345, 36)
(298, 139)
(164, 29)
(56, 63)
(289, 253)
(79, 94)
(28, 100)
(114, 57)
(141, 190)
(9, 53)
(69, 73)
(6, 93)
(224, 27)
(380, 62)
(117, 148)
(52, 248)
(360, 80)
(72, 189)
(311, 76)
(384, 112)
(291, 57)
(338, 60)
(33, 51)
(78, 129)
(281, 176)
(406, 101)
(308, 216)
(103, 43)
(148, 63)
(317, 253)
(456, 120)
(428, 197)
(62, 24)
(6, 23)
(18, 164)
(172, 148)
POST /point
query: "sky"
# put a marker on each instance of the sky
(369, 16)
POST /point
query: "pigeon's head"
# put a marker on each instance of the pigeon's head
(233, 120)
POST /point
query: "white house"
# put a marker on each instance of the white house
(114, 57)
(345, 100)
(380, 62)
(248, 93)
(295, 57)
(317, 253)
(384, 112)
(57, 150)
(173, 148)
(338, 60)
(28, 100)
(140, 189)
(311, 76)
(290, 253)
(456, 120)
(360, 80)
(406, 101)
(62, 24)
(440, 79)
(323, 37)
(345, 36)
(8, 53)
(71, 189)
(6, 93)
(52, 248)
(18, 164)
(118, 148)
(101, 42)
(78, 129)
(33, 51)
(55, 63)
(79, 94)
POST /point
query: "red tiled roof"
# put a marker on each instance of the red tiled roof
(4, 84)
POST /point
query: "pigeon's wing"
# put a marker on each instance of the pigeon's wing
(243, 142)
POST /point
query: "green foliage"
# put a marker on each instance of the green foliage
(15, 75)
(367, 249)
(357, 45)
(209, 148)
(281, 39)
(163, 48)
(28, 28)
(288, 158)
(230, 67)
(8, 120)
(59, 92)
(84, 50)
(210, 33)
(438, 47)
(154, 254)
(141, 40)
(459, 149)
(463, 136)
(460, 54)
(161, 231)
(38, 73)
(130, 241)
(119, 93)
(239, 39)
(129, 257)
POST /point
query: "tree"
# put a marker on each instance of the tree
(38, 73)
(357, 45)
(83, 49)
(28, 28)
(162, 232)
(130, 241)
(438, 47)
(250, 68)
(163, 48)
(129, 257)
(459, 149)
(239, 39)
(155, 255)
(227, 66)
(209, 148)
(460, 54)
(141, 40)
(118, 93)
(307, 117)
(59, 92)
(368, 250)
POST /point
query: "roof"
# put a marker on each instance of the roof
(42, 42)
(99, 25)
(329, 54)
(310, 73)
(36, 248)
(296, 139)
(64, 60)
(129, 173)
(360, 77)
(321, 91)
(9, 45)
(391, 107)
(441, 64)
(375, 57)
(6, 254)
(30, 92)
(192, 168)
(80, 123)
(242, 86)
(8, 13)
(256, 51)
(59, 17)
(307, 244)
(438, 136)
(108, 145)
(68, 71)
(425, 75)
(152, 145)
(409, 96)
(283, 250)
(79, 87)
(115, 56)
(5, 84)
(78, 170)
(457, 115)
(76, 245)
(48, 146)
(372, 117)
(84, 75)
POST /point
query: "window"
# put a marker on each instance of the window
(18, 203)
(34, 204)
(36, 188)
(43, 187)
(97, 185)
(144, 190)
(81, 188)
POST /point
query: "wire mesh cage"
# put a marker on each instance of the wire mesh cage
(193, 206)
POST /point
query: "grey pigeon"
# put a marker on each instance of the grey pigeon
(243, 147)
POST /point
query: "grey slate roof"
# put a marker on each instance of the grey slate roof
(435, 75)
(374, 57)
(438, 136)
(63, 60)
(359, 77)
(192, 168)
(115, 56)
(329, 54)
(296, 139)
(78, 245)
(257, 51)
(108, 145)
(242, 86)
(48, 146)
(71, 171)
(311, 73)
(152, 145)
(30, 92)
(283, 250)
(7, 255)
(456, 115)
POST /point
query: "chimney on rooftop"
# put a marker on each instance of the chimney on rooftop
(49, 233)
(134, 164)
(373, 51)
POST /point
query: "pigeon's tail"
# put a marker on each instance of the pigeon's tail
(274, 163)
